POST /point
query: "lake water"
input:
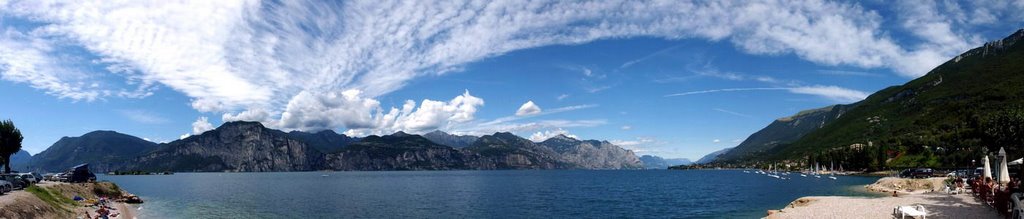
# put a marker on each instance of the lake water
(476, 194)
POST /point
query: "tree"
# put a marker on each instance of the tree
(10, 143)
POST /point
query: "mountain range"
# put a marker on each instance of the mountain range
(251, 147)
(966, 107)
(656, 162)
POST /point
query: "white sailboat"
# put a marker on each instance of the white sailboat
(832, 170)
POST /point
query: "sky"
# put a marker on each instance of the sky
(677, 79)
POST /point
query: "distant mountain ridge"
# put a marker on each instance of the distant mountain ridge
(711, 157)
(19, 161)
(455, 141)
(326, 141)
(656, 162)
(593, 154)
(103, 150)
(961, 104)
(235, 147)
(786, 130)
(251, 147)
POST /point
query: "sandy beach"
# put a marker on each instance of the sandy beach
(937, 204)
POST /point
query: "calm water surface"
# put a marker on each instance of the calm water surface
(476, 194)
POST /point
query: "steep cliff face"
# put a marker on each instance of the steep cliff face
(103, 150)
(235, 146)
(593, 154)
(504, 150)
(399, 151)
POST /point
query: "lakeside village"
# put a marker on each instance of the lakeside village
(990, 189)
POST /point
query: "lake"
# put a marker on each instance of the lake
(477, 194)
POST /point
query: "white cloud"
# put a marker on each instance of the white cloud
(528, 109)
(545, 135)
(245, 58)
(716, 141)
(835, 93)
(201, 125)
(363, 115)
(508, 119)
(640, 144)
(562, 97)
(517, 127)
(724, 90)
(26, 59)
(142, 116)
(627, 127)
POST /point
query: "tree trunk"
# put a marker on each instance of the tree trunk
(7, 163)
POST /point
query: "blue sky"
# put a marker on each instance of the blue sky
(674, 79)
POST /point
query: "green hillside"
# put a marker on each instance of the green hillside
(968, 106)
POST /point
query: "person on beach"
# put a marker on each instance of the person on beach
(103, 213)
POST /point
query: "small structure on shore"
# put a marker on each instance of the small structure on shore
(80, 174)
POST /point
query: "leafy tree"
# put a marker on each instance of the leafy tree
(10, 143)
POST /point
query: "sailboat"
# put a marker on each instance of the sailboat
(832, 170)
(817, 171)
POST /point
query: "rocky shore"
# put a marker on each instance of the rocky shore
(56, 200)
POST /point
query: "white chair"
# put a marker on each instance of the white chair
(912, 211)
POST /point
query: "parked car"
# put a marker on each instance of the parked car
(61, 177)
(14, 180)
(917, 173)
(38, 177)
(30, 177)
(6, 187)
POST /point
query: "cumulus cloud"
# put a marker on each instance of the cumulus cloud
(363, 115)
(528, 109)
(716, 141)
(545, 135)
(201, 125)
(247, 58)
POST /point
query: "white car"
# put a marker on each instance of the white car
(30, 177)
(6, 187)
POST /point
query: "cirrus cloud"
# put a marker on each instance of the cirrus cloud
(260, 60)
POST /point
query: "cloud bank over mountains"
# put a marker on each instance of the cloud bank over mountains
(311, 65)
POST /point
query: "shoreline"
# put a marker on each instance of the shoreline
(55, 200)
(937, 203)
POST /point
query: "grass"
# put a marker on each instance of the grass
(52, 198)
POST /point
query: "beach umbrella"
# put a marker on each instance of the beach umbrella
(987, 171)
(1016, 162)
(1004, 173)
